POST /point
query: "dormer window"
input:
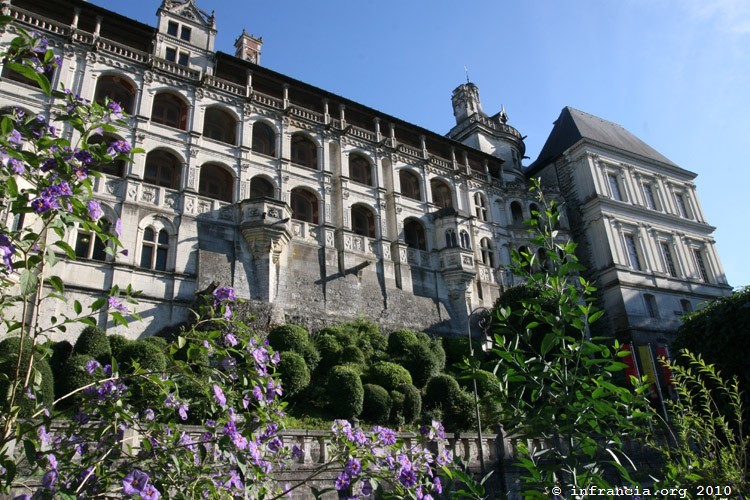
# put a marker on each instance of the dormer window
(172, 28)
(170, 54)
(185, 33)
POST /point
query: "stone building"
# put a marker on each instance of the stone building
(316, 208)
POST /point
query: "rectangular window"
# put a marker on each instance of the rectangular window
(630, 244)
(682, 206)
(651, 307)
(184, 57)
(614, 186)
(185, 33)
(648, 193)
(701, 264)
(172, 28)
(686, 306)
(171, 54)
(666, 252)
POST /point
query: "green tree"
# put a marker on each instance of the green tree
(561, 388)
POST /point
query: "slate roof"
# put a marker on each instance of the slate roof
(574, 125)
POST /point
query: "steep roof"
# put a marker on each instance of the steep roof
(574, 125)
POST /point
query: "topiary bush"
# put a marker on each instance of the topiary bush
(74, 376)
(439, 389)
(9, 349)
(377, 404)
(61, 351)
(436, 346)
(459, 412)
(159, 342)
(146, 354)
(295, 338)
(94, 342)
(330, 351)
(388, 375)
(396, 417)
(412, 405)
(295, 375)
(345, 392)
(400, 341)
(353, 355)
(116, 343)
(421, 363)
(457, 348)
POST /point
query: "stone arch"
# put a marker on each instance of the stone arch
(360, 169)
(442, 194)
(414, 233)
(262, 186)
(304, 203)
(171, 109)
(220, 124)
(363, 220)
(264, 138)
(304, 150)
(118, 88)
(411, 184)
(163, 168)
(216, 181)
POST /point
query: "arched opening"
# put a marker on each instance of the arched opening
(516, 213)
(442, 195)
(360, 169)
(162, 169)
(464, 238)
(487, 253)
(304, 152)
(414, 234)
(261, 188)
(216, 182)
(169, 110)
(220, 126)
(117, 89)
(363, 221)
(89, 246)
(304, 205)
(264, 139)
(451, 241)
(410, 185)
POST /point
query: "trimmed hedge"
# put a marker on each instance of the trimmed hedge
(352, 354)
(439, 389)
(412, 405)
(330, 351)
(159, 342)
(459, 413)
(74, 376)
(345, 392)
(147, 354)
(116, 343)
(377, 404)
(400, 341)
(421, 363)
(388, 375)
(295, 338)
(9, 348)
(294, 373)
(94, 342)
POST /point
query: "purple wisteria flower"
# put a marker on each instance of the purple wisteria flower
(117, 305)
(92, 365)
(95, 210)
(219, 394)
(7, 250)
(118, 147)
(135, 482)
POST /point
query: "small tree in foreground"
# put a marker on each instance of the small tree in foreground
(562, 388)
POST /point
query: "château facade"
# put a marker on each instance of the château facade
(316, 208)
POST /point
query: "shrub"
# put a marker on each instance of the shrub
(439, 389)
(388, 375)
(457, 348)
(197, 390)
(377, 404)
(148, 356)
(329, 349)
(60, 352)
(94, 342)
(294, 373)
(296, 339)
(421, 363)
(353, 354)
(412, 405)
(159, 342)
(397, 409)
(116, 343)
(9, 348)
(459, 412)
(345, 392)
(400, 341)
(436, 346)
(74, 376)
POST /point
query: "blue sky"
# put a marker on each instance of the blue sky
(676, 74)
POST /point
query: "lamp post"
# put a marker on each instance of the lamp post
(483, 325)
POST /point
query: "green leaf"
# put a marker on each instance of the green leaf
(57, 283)
(180, 342)
(28, 282)
(66, 248)
(77, 307)
(31, 74)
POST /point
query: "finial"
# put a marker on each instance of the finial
(467, 73)
(503, 115)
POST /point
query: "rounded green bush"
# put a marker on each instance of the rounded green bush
(421, 363)
(330, 351)
(377, 404)
(457, 348)
(296, 339)
(94, 342)
(400, 341)
(116, 343)
(147, 354)
(388, 375)
(436, 346)
(412, 404)
(61, 351)
(9, 348)
(293, 372)
(159, 342)
(439, 389)
(74, 376)
(352, 354)
(459, 413)
(198, 391)
(396, 417)
(345, 392)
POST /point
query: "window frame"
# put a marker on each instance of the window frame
(632, 251)
(157, 248)
(668, 258)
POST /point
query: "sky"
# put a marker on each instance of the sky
(674, 73)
